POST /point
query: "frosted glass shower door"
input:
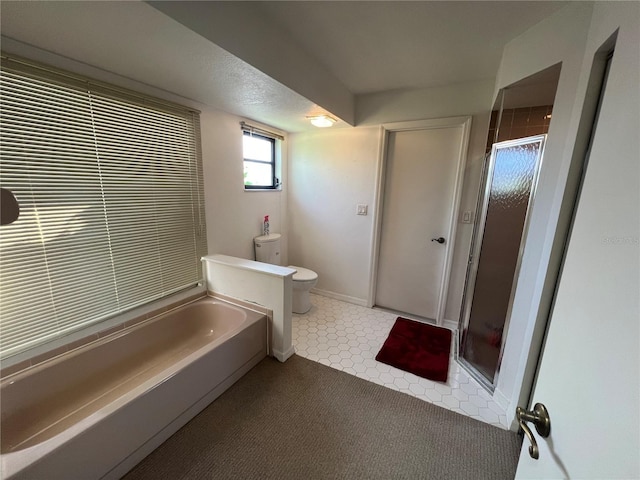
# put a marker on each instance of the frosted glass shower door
(510, 184)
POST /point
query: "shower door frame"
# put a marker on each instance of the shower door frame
(476, 246)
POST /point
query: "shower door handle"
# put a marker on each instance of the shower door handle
(440, 240)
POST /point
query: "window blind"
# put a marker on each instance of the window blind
(111, 203)
(250, 129)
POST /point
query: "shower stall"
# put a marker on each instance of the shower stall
(516, 138)
(509, 179)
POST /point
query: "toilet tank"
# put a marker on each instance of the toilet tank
(268, 248)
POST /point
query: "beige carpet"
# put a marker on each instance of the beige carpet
(303, 420)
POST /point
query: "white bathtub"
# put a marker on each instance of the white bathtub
(97, 411)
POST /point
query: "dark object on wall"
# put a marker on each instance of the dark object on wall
(8, 207)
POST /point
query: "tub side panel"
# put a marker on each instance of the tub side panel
(53, 396)
(123, 434)
(53, 391)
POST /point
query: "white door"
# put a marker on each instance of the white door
(421, 177)
(589, 373)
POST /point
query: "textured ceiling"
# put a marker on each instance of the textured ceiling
(362, 47)
(134, 40)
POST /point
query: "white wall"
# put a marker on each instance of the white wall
(464, 231)
(234, 217)
(560, 38)
(422, 103)
(331, 171)
(590, 373)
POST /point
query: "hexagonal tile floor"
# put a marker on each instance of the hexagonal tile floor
(347, 337)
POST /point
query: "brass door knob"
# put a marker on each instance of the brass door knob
(539, 416)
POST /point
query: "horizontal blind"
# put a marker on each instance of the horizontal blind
(111, 205)
(251, 129)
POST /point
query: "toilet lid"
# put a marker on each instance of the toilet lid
(304, 274)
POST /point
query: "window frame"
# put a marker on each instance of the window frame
(275, 182)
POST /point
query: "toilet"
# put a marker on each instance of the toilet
(268, 251)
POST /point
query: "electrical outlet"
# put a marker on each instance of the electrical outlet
(362, 209)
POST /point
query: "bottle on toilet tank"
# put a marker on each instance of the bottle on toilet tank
(265, 225)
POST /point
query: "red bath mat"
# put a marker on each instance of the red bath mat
(417, 348)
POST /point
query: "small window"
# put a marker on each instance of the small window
(259, 161)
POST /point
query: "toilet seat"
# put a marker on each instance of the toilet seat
(303, 274)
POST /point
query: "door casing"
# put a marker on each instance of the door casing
(386, 129)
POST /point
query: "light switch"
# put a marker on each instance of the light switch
(362, 209)
(466, 217)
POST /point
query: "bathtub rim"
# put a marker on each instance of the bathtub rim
(61, 345)
(111, 332)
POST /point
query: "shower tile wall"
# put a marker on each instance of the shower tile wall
(348, 337)
(519, 123)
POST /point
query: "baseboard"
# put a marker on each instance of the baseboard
(502, 401)
(510, 411)
(284, 356)
(450, 324)
(338, 296)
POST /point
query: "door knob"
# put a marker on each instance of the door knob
(540, 419)
(439, 240)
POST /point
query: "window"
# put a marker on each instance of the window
(259, 161)
(110, 190)
(260, 153)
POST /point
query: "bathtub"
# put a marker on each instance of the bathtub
(96, 411)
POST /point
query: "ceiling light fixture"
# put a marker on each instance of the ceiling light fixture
(322, 121)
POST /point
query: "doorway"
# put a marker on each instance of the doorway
(420, 183)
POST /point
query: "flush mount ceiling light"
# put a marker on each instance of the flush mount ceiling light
(322, 121)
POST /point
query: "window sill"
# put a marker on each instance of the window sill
(279, 189)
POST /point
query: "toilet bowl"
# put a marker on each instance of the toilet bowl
(303, 281)
(268, 251)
